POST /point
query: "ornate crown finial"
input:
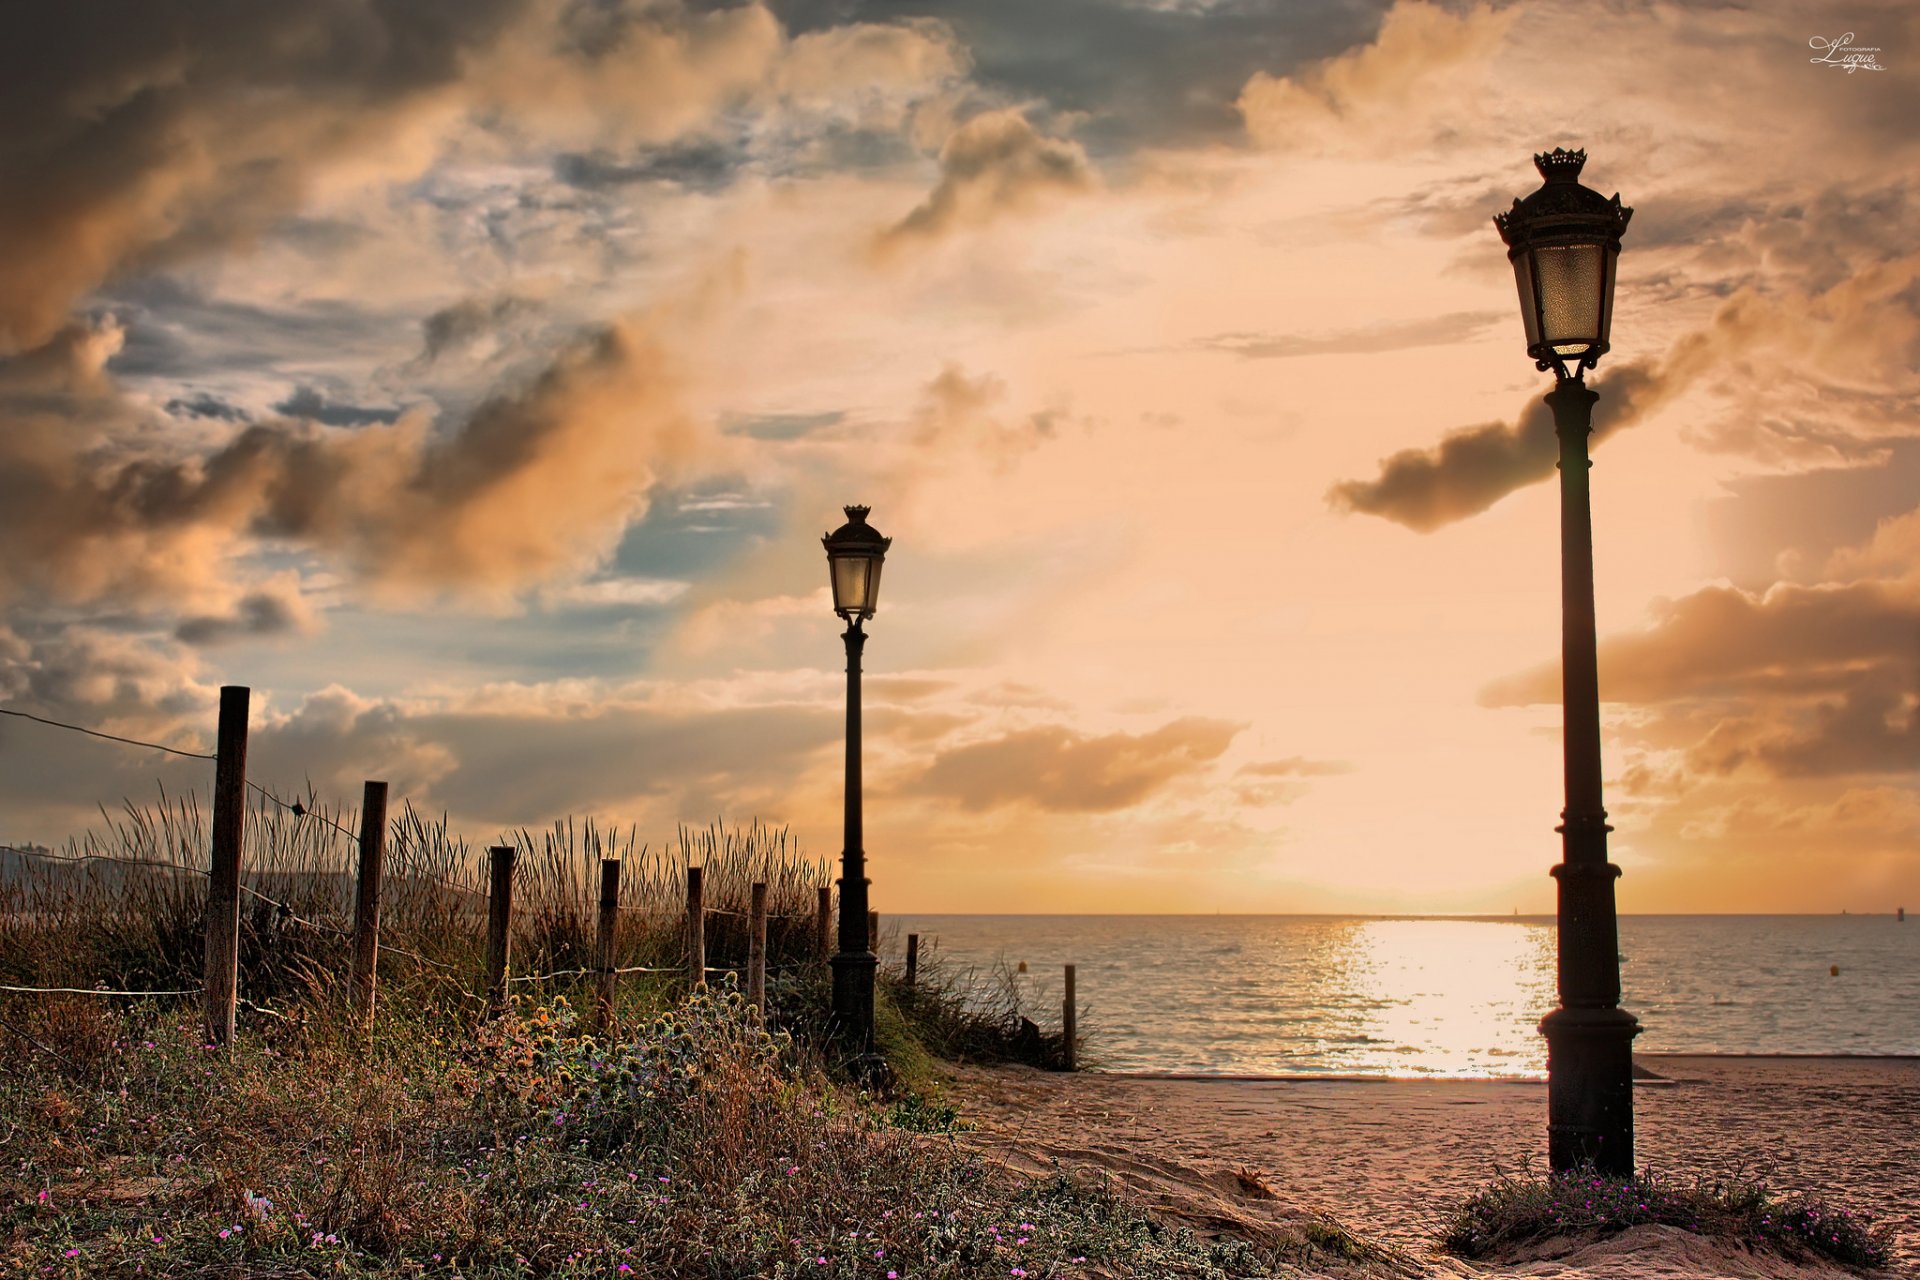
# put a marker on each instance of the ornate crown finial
(1560, 164)
(857, 514)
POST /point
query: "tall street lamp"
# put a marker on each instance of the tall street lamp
(855, 552)
(1564, 242)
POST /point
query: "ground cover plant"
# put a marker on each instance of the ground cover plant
(691, 1141)
(1519, 1209)
(690, 1137)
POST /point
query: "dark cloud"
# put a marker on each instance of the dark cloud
(1143, 74)
(1473, 468)
(1800, 681)
(538, 481)
(469, 320)
(306, 402)
(995, 164)
(143, 133)
(204, 404)
(256, 614)
(1432, 331)
(1723, 641)
(699, 165)
(173, 329)
(1056, 769)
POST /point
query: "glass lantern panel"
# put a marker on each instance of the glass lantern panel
(1572, 279)
(851, 584)
(873, 584)
(1523, 276)
(1606, 293)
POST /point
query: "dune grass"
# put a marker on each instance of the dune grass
(1517, 1210)
(690, 1141)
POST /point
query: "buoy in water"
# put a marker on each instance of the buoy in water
(1833, 970)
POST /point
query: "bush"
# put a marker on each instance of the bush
(1517, 1210)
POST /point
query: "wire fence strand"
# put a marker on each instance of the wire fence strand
(110, 737)
(100, 991)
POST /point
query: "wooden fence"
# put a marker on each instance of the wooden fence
(222, 921)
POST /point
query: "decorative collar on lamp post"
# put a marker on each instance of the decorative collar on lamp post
(1564, 243)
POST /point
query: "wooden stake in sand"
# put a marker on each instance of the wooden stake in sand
(1069, 1022)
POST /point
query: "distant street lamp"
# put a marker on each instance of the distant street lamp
(1564, 242)
(855, 552)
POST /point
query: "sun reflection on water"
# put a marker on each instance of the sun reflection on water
(1435, 997)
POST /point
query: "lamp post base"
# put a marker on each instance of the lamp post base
(853, 974)
(1590, 1089)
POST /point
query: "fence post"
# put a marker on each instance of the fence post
(757, 950)
(913, 958)
(873, 931)
(499, 920)
(696, 929)
(366, 904)
(823, 922)
(1069, 1020)
(604, 938)
(223, 882)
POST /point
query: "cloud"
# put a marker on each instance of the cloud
(994, 165)
(1473, 468)
(276, 608)
(197, 127)
(1056, 769)
(1294, 767)
(536, 483)
(470, 321)
(956, 415)
(173, 129)
(1373, 339)
(1722, 641)
(1796, 682)
(1411, 80)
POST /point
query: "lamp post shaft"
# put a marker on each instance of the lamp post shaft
(1589, 1037)
(854, 963)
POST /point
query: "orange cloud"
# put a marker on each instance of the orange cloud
(994, 165)
(1056, 769)
(538, 482)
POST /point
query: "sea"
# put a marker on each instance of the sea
(1425, 996)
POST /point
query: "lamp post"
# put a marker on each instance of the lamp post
(855, 552)
(1564, 243)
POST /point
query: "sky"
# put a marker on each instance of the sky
(474, 379)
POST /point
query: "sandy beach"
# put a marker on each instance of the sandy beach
(1385, 1158)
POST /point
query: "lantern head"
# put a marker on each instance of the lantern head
(1564, 243)
(854, 554)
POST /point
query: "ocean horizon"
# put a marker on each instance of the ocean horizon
(1428, 996)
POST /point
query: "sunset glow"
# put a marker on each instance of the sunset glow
(476, 383)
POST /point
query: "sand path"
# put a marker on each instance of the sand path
(1385, 1158)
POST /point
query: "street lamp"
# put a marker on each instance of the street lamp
(1564, 242)
(855, 552)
